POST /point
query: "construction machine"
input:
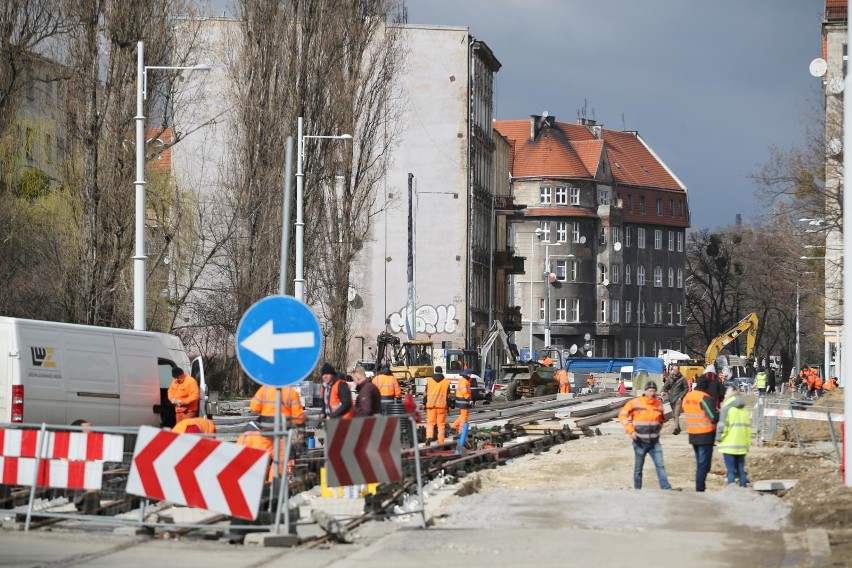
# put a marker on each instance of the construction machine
(694, 367)
(533, 378)
(409, 361)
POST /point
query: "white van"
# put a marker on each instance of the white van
(59, 372)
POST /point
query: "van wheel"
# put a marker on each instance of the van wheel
(512, 391)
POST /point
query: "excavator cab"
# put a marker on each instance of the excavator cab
(410, 362)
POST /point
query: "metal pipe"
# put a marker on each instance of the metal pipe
(139, 258)
(299, 281)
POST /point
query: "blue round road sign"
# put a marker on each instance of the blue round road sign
(278, 341)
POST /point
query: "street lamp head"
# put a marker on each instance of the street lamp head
(345, 137)
(201, 67)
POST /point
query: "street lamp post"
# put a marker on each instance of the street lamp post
(299, 280)
(798, 335)
(140, 257)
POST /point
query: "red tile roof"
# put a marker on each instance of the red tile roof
(835, 10)
(571, 150)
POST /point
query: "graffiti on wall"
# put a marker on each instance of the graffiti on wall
(428, 319)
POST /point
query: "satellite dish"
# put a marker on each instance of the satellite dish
(587, 337)
(545, 114)
(582, 240)
(835, 146)
(835, 86)
(616, 246)
(605, 282)
(818, 67)
(573, 349)
(551, 277)
(588, 353)
(350, 294)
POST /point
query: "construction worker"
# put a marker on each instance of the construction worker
(335, 394)
(264, 402)
(818, 384)
(464, 400)
(831, 384)
(564, 381)
(643, 418)
(733, 435)
(810, 379)
(195, 426)
(676, 387)
(183, 393)
(760, 382)
(253, 437)
(435, 401)
(388, 386)
(547, 362)
(591, 382)
(369, 401)
(699, 409)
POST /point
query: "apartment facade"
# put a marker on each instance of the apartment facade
(604, 230)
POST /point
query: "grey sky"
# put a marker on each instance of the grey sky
(710, 85)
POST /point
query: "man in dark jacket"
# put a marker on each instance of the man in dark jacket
(676, 388)
(336, 396)
(701, 414)
(772, 377)
(369, 401)
(715, 388)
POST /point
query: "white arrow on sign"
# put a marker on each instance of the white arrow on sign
(263, 342)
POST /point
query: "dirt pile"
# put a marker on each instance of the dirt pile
(812, 430)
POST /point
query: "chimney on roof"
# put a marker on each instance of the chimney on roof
(538, 122)
(592, 125)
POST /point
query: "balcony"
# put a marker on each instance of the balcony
(512, 319)
(506, 260)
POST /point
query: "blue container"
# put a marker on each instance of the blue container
(312, 443)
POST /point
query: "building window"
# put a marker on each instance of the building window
(628, 311)
(603, 197)
(544, 234)
(671, 277)
(658, 239)
(574, 269)
(630, 203)
(627, 348)
(671, 207)
(616, 311)
(627, 236)
(641, 307)
(575, 232)
(561, 309)
(627, 274)
(671, 315)
(602, 237)
(640, 238)
(642, 204)
(561, 269)
(640, 275)
(541, 309)
(615, 273)
(680, 278)
(658, 312)
(544, 195)
(680, 242)
(615, 235)
(680, 207)
(575, 196)
(561, 232)
(562, 196)
(604, 350)
(658, 277)
(602, 270)
(591, 348)
(671, 241)
(575, 310)
(680, 314)
(640, 348)
(659, 207)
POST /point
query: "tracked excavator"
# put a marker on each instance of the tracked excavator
(748, 325)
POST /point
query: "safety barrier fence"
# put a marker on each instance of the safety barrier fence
(772, 411)
(149, 468)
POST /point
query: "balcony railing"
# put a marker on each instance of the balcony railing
(512, 319)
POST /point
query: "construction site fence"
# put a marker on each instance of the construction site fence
(771, 413)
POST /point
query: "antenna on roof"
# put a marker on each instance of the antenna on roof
(623, 124)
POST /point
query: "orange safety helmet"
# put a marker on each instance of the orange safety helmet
(547, 361)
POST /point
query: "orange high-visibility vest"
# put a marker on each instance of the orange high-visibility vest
(206, 426)
(697, 421)
(388, 386)
(436, 393)
(291, 404)
(334, 401)
(643, 415)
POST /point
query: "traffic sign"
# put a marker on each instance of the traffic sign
(278, 341)
(363, 450)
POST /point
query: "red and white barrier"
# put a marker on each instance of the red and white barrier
(363, 450)
(59, 474)
(196, 471)
(86, 446)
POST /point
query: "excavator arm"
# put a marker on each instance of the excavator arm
(747, 325)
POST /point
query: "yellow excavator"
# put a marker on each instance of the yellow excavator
(748, 325)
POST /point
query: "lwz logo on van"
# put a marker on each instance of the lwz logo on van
(43, 357)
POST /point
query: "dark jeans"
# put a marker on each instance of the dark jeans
(640, 450)
(735, 465)
(703, 456)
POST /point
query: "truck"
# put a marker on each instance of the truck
(58, 372)
(533, 378)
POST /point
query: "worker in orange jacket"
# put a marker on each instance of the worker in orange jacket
(264, 402)
(435, 401)
(195, 426)
(255, 436)
(591, 382)
(388, 386)
(464, 400)
(810, 379)
(564, 381)
(699, 409)
(831, 384)
(643, 418)
(184, 394)
(335, 393)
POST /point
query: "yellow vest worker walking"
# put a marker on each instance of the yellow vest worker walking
(464, 400)
(437, 389)
(195, 426)
(183, 393)
(291, 405)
